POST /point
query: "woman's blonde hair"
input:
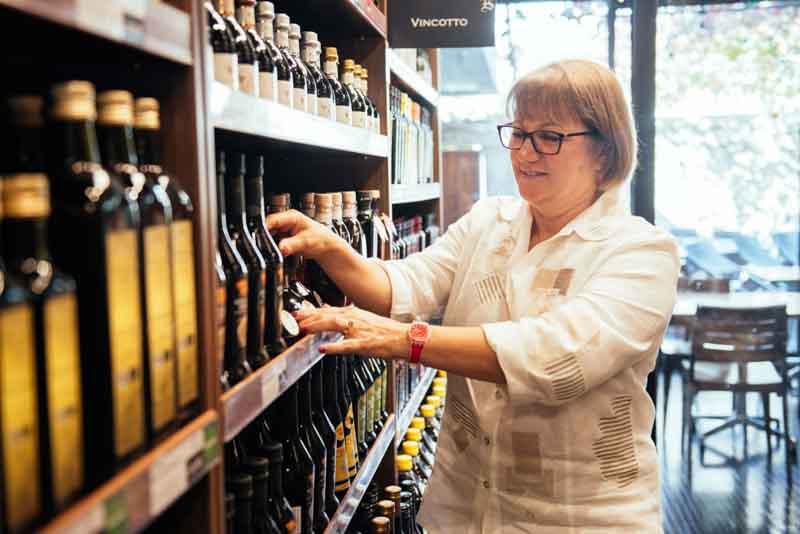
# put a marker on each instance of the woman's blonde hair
(589, 93)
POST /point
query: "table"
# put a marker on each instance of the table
(686, 305)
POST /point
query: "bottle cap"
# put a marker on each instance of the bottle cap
(386, 507)
(25, 196)
(147, 115)
(26, 110)
(440, 381)
(375, 193)
(434, 400)
(393, 492)
(279, 201)
(443, 374)
(322, 200)
(282, 21)
(418, 423)
(357, 70)
(411, 448)
(255, 165)
(427, 410)
(310, 38)
(349, 64)
(331, 53)
(294, 31)
(115, 108)
(413, 434)
(241, 485)
(404, 462)
(349, 197)
(73, 100)
(265, 9)
(439, 391)
(380, 525)
(336, 198)
(364, 73)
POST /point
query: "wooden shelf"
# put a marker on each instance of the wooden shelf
(414, 403)
(137, 495)
(149, 25)
(242, 403)
(240, 113)
(410, 81)
(405, 194)
(344, 514)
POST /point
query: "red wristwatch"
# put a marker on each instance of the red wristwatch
(419, 333)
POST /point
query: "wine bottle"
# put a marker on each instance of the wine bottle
(298, 98)
(223, 45)
(324, 424)
(267, 79)
(341, 96)
(358, 84)
(318, 449)
(357, 102)
(265, 15)
(246, 54)
(326, 105)
(311, 86)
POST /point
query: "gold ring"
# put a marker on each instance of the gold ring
(348, 327)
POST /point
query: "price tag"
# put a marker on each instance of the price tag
(272, 379)
(169, 474)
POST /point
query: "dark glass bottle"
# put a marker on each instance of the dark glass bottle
(376, 116)
(318, 449)
(248, 64)
(267, 79)
(324, 424)
(311, 85)
(341, 97)
(241, 485)
(334, 410)
(382, 224)
(223, 44)
(236, 288)
(21, 466)
(181, 234)
(265, 14)
(338, 216)
(357, 102)
(392, 493)
(115, 133)
(230, 512)
(349, 406)
(370, 231)
(87, 202)
(298, 98)
(370, 111)
(26, 204)
(326, 106)
(258, 468)
(361, 406)
(220, 296)
(317, 279)
(254, 185)
(257, 274)
(280, 508)
(298, 466)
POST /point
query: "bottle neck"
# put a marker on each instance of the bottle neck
(148, 146)
(348, 77)
(330, 370)
(309, 55)
(332, 69)
(265, 29)
(235, 198)
(324, 216)
(73, 141)
(117, 145)
(227, 8)
(317, 389)
(282, 36)
(25, 150)
(364, 86)
(294, 47)
(221, 204)
(254, 194)
(23, 239)
(305, 400)
(246, 15)
(349, 211)
(276, 478)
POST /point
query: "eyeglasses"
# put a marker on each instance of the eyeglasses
(545, 142)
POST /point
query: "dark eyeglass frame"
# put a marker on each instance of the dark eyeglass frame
(530, 136)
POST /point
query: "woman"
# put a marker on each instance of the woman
(555, 305)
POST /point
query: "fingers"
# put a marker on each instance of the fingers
(293, 245)
(289, 222)
(346, 346)
(326, 323)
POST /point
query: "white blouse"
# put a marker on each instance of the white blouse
(576, 323)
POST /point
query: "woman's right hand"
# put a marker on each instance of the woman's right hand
(304, 236)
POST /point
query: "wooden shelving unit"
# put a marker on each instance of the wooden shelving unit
(159, 48)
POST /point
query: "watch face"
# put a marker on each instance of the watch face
(418, 331)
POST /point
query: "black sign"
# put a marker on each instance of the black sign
(441, 23)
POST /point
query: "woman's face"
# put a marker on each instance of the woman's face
(553, 184)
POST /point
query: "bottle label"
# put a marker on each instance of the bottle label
(359, 119)
(368, 122)
(125, 335)
(62, 356)
(376, 401)
(285, 92)
(268, 85)
(344, 115)
(222, 294)
(312, 104)
(324, 108)
(369, 417)
(160, 333)
(376, 123)
(342, 470)
(183, 290)
(361, 421)
(350, 443)
(384, 384)
(248, 79)
(262, 304)
(240, 312)
(308, 507)
(21, 490)
(300, 98)
(319, 488)
(298, 518)
(226, 70)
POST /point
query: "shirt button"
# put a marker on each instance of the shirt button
(486, 484)
(487, 441)
(498, 394)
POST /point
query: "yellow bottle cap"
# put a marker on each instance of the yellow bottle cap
(411, 448)
(414, 434)
(427, 410)
(418, 423)
(404, 462)
(442, 374)
(434, 400)
(439, 391)
(440, 381)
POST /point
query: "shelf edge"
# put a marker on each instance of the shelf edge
(414, 403)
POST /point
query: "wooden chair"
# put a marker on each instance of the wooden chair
(753, 342)
(676, 346)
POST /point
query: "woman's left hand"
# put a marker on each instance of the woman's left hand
(365, 333)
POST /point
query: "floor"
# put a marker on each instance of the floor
(722, 495)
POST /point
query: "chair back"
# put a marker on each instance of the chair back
(705, 285)
(739, 335)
